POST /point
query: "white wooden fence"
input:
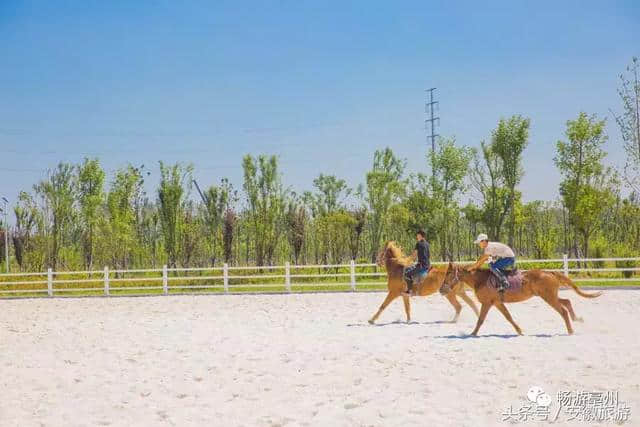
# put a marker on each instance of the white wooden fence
(284, 278)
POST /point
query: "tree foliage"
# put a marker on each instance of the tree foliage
(79, 216)
(629, 122)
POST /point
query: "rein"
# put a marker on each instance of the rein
(448, 285)
(456, 279)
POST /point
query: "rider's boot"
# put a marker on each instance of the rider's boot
(445, 288)
(408, 292)
(502, 285)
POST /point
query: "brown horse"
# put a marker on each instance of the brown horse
(544, 284)
(394, 261)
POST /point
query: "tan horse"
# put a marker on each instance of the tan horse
(394, 261)
(544, 284)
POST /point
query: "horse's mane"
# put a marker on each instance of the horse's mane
(396, 254)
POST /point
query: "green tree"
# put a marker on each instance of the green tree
(120, 237)
(487, 177)
(266, 203)
(540, 228)
(384, 188)
(473, 215)
(330, 194)
(90, 182)
(229, 225)
(29, 221)
(356, 227)
(296, 226)
(508, 141)
(150, 233)
(172, 192)
(586, 187)
(217, 201)
(421, 206)
(58, 194)
(450, 166)
(190, 228)
(325, 203)
(336, 226)
(628, 220)
(629, 122)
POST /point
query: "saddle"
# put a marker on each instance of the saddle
(514, 277)
(420, 277)
(417, 279)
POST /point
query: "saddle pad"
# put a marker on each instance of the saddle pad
(514, 277)
(420, 277)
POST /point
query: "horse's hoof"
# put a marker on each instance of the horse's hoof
(371, 321)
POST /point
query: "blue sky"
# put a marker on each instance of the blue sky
(321, 84)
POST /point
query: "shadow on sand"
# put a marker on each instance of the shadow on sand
(401, 322)
(503, 336)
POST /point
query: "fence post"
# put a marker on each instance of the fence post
(49, 282)
(287, 276)
(225, 277)
(565, 264)
(352, 270)
(165, 280)
(106, 281)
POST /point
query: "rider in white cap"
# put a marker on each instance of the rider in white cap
(501, 255)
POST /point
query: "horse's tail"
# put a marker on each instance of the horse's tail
(567, 281)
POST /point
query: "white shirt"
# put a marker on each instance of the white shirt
(500, 250)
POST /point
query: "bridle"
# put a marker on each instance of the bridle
(448, 285)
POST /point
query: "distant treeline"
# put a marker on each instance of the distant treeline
(73, 219)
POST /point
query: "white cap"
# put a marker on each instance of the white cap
(481, 237)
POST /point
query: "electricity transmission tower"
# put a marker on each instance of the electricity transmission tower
(430, 122)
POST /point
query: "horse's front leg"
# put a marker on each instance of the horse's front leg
(451, 296)
(463, 294)
(390, 297)
(483, 315)
(407, 308)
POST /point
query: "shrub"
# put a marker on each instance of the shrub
(623, 251)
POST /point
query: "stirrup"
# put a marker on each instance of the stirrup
(408, 292)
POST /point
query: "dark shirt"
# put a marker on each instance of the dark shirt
(422, 247)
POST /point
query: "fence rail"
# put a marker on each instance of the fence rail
(281, 278)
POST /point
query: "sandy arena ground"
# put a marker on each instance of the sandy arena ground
(301, 360)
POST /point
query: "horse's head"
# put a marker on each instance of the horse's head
(452, 278)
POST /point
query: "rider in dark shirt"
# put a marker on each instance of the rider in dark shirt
(421, 267)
